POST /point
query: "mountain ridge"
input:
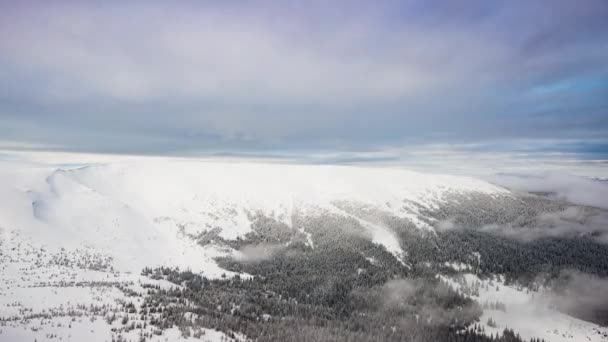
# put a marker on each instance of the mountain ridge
(331, 239)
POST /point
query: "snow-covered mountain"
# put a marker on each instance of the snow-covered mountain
(102, 224)
(139, 206)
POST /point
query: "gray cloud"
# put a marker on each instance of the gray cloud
(572, 188)
(258, 252)
(175, 78)
(573, 221)
(406, 295)
(582, 295)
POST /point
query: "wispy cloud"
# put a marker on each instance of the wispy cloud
(257, 252)
(571, 222)
(572, 188)
(582, 295)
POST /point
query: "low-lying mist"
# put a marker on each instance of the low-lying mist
(578, 190)
(574, 221)
(581, 295)
(257, 252)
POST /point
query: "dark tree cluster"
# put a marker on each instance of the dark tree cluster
(323, 279)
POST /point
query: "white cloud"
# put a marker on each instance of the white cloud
(572, 188)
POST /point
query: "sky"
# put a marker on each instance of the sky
(340, 81)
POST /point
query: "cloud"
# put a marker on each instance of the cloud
(257, 252)
(399, 290)
(573, 221)
(170, 78)
(427, 299)
(575, 189)
(581, 295)
(446, 225)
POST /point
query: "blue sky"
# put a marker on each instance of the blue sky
(289, 78)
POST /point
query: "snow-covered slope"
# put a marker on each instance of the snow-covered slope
(71, 238)
(220, 194)
(92, 229)
(529, 313)
(140, 205)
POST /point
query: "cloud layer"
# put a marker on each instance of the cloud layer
(582, 295)
(163, 78)
(572, 188)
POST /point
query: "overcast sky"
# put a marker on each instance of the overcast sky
(284, 77)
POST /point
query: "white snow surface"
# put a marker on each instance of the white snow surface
(133, 210)
(67, 233)
(528, 313)
(71, 237)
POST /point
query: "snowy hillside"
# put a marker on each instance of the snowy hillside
(529, 313)
(74, 240)
(140, 206)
